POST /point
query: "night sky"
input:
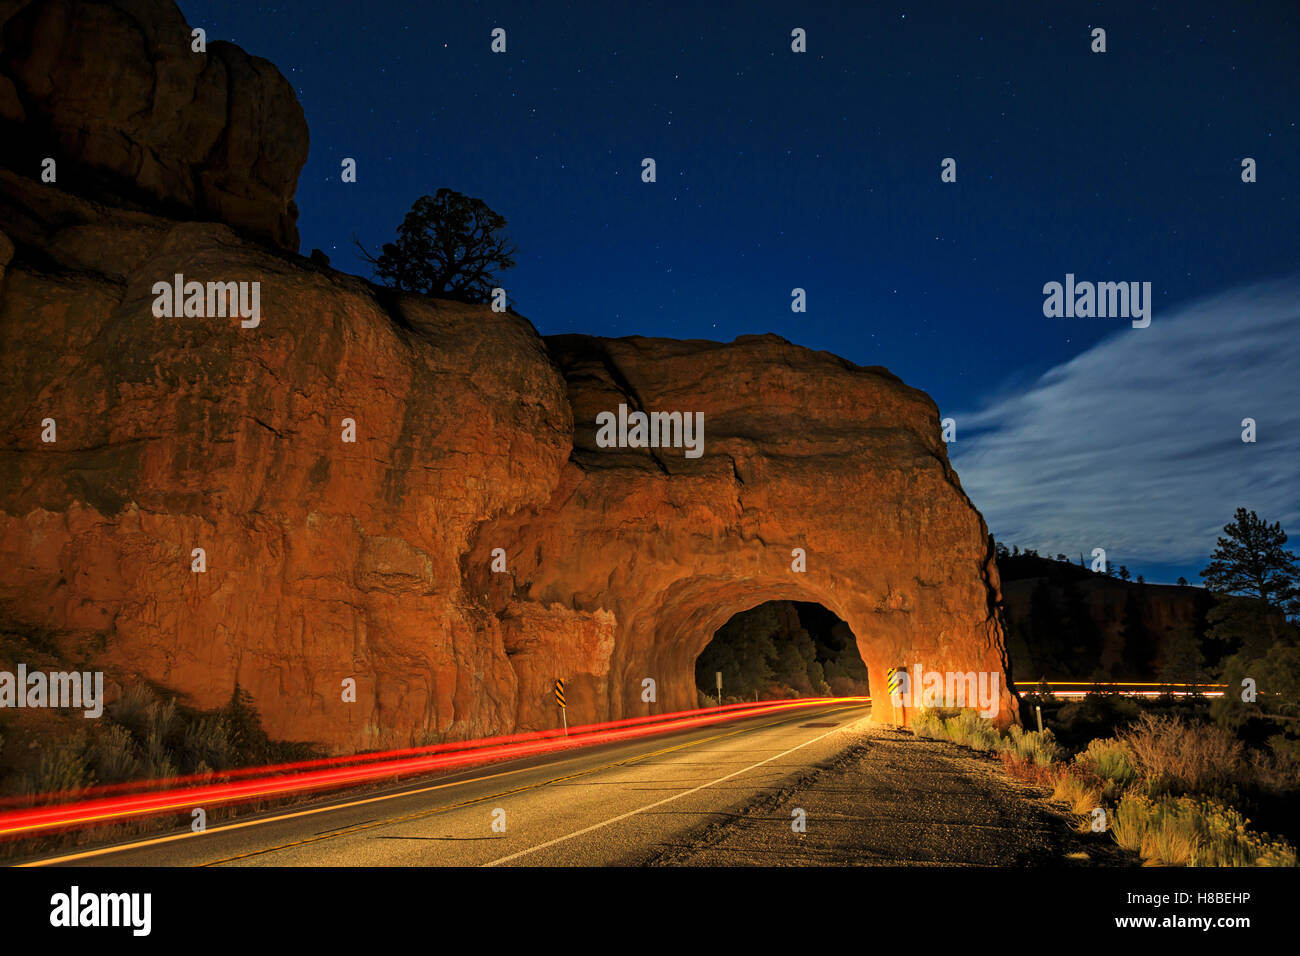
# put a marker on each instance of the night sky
(822, 171)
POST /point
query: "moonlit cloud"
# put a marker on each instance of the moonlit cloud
(1135, 445)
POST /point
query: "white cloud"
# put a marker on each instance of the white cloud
(1135, 445)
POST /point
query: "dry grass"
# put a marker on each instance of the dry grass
(1157, 782)
(1081, 794)
(1175, 757)
(1184, 831)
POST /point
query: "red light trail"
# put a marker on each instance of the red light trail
(315, 775)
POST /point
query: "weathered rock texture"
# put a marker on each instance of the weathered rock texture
(372, 560)
(115, 94)
(804, 450)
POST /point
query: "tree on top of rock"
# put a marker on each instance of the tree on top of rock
(449, 245)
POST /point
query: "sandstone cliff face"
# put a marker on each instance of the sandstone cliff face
(115, 93)
(372, 560)
(325, 560)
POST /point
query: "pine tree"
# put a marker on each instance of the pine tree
(1252, 561)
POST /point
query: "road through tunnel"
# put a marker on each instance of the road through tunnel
(779, 650)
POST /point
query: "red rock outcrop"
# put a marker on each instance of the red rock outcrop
(803, 450)
(328, 560)
(115, 93)
(372, 560)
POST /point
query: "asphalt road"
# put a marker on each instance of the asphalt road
(615, 804)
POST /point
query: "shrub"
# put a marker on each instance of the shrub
(1277, 770)
(113, 755)
(928, 723)
(61, 769)
(1039, 775)
(1175, 757)
(1193, 832)
(131, 710)
(207, 743)
(971, 730)
(1109, 759)
(1030, 746)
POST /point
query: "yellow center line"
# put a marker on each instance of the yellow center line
(421, 814)
(658, 803)
(155, 841)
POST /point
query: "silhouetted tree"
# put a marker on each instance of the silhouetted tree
(1252, 561)
(448, 245)
(1256, 584)
(1123, 573)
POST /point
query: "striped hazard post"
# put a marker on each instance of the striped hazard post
(559, 699)
(895, 678)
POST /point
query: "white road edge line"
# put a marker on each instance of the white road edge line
(658, 803)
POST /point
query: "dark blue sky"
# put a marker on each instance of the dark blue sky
(817, 170)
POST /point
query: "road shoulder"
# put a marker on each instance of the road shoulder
(892, 798)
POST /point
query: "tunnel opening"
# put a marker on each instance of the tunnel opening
(780, 650)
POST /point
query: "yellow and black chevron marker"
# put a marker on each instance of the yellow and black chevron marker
(559, 699)
(894, 677)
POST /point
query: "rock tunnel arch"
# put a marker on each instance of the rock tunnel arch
(700, 607)
(779, 649)
(691, 623)
(640, 555)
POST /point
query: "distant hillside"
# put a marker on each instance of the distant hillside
(1064, 621)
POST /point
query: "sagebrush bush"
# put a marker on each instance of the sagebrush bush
(971, 730)
(928, 723)
(207, 742)
(1160, 776)
(142, 737)
(1032, 746)
(965, 727)
(1109, 759)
